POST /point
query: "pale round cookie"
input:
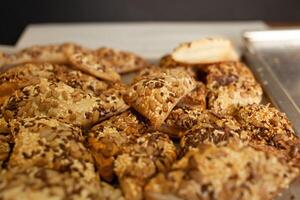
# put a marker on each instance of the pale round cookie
(47, 184)
(234, 171)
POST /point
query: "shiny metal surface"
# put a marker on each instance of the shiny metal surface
(275, 59)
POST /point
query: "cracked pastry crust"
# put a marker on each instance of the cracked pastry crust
(48, 143)
(181, 119)
(230, 85)
(211, 128)
(89, 63)
(246, 174)
(144, 156)
(155, 95)
(29, 74)
(109, 138)
(261, 126)
(40, 54)
(40, 183)
(270, 130)
(121, 61)
(60, 101)
(205, 51)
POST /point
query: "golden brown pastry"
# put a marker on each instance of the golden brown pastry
(89, 63)
(60, 101)
(230, 85)
(29, 74)
(120, 61)
(234, 171)
(56, 53)
(205, 51)
(48, 143)
(41, 183)
(143, 157)
(109, 138)
(155, 95)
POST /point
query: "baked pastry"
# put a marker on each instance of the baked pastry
(60, 101)
(29, 74)
(143, 157)
(231, 85)
(108, 139)
(108, 192)
(196, 98)
(155, 95)
(211, 128)
(40, 54)
(48, 143)
(270, 130)
(181, 119)
(205, 51)
(5, 149)
(89, 63)
(121, 61)
(41, 183)
(234, 171)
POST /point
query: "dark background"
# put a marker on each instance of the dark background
(15, 15)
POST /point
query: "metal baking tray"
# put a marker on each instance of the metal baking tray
(274, 57)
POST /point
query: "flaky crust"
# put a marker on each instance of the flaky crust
(60, 101)
(40, 183)
(48, 143)
(205, 51)
(155, 95)
(29, 74)
(180, 119)
(231, 85)
(89, 63)
(108, 139)
(232, 172)
(120, 61)
(56, 53)
(148, 154)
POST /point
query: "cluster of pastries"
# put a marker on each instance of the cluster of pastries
(189, 127)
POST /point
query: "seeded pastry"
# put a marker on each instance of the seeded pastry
(108, 192)
(29, 74)
(120, 61)
(211, 128)
(89, 63)
(48, 143)
(146, 155)
(155, 95)
(109, 139)
(60, 101)
(41, 183)
(234, 171)
(195, 98)
(181, 119)
(4, 148)
(40, 54)
(205, 51)
(271, 130)
(230, 85)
